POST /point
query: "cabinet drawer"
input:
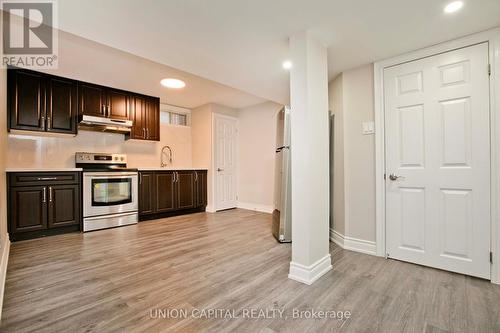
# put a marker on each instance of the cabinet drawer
(43, 178)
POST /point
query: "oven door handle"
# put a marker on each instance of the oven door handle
(109, 175)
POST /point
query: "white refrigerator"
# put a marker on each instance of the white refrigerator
(282, 214)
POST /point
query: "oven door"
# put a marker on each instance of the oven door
(106, 193)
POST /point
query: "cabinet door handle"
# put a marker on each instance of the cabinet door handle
(47, 178)
(50, 193)
(44, 199)
(47, 112)
(195, 176)
(140, 178)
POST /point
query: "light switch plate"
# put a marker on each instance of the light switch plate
(368, 127)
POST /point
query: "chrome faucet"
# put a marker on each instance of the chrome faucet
(163, 164)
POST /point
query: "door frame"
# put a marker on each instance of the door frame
(215, 116)
(492, 37)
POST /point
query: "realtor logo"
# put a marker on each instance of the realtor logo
(29, 37)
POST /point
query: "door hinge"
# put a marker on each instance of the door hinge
(491, 257)
(489, 69)
(385, 177)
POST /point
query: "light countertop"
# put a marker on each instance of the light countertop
(42, 169)
(169, 169)
(80, 169)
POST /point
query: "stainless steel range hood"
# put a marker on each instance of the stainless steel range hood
(101, 124)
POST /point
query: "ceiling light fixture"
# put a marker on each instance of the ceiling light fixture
(287, 64)
(453, 7)
(173, 83)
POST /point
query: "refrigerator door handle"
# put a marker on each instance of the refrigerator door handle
(279, 149)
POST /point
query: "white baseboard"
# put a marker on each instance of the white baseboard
(353, 244)
(256, 207)
(3, 270)
(309, 274)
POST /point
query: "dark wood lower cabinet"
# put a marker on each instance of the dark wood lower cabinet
(146, 193)
(28, 209)
(165, 192)
(170, 193)
(201, 188)
(64, 205)
(43, 205)
(186, 188)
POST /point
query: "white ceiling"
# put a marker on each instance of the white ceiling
(242, 43)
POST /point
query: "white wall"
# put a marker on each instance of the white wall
(352, 101)
(337, 203)
(202, 138)
(310, 158)
(256, 158)
(201, 127)
(359, 152)
(256, 146)
(30, 151)
(4, 250)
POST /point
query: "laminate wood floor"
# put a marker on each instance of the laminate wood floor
(116, 280)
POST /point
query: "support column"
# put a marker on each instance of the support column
(310, 159)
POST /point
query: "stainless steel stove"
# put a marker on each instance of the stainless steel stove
(110, 191)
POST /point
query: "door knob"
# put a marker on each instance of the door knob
(394, 177)
(219, 169)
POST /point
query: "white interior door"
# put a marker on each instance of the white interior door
(438, 144)
(225, 162)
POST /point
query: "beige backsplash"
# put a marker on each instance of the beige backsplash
(28, 151)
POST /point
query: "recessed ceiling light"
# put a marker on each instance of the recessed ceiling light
(287, 64)
(453, 7)
(173, 83)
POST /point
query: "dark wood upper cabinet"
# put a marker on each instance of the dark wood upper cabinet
(138, 117)
(62, 105)
(28, 209)
(64, 205)
(165, 192)
(145, 113)
(146, 193)
(153, 119)
(26, 100)
(186, 189)
(117, 104)
(47, 103)
(92, 100)
(41, 102)
(100, 101)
